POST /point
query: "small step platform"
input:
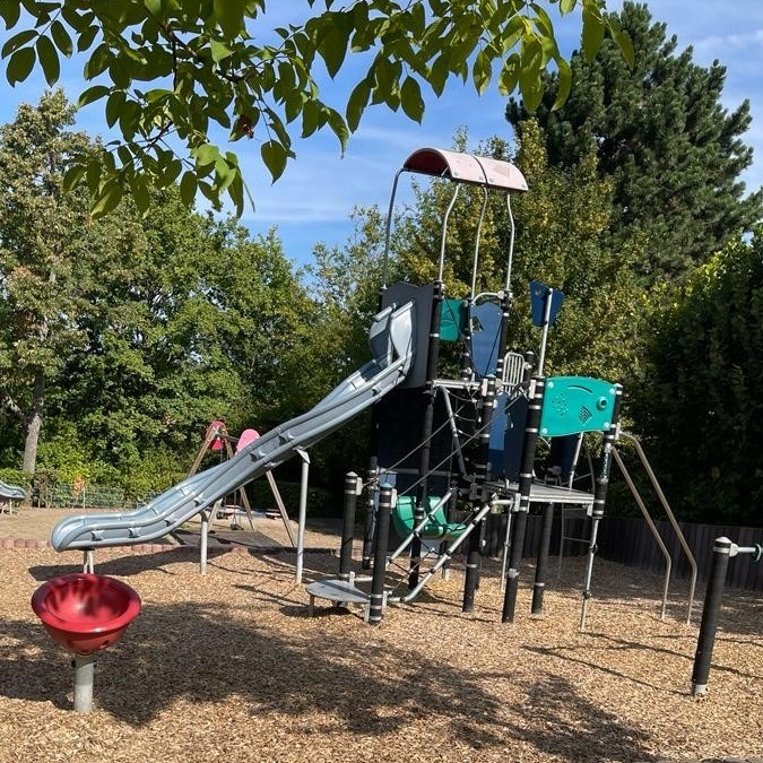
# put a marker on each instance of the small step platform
(341, 592)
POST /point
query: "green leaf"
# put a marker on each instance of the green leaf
(482, 71)
(624, 42)
(48, 56)
(230, 15)
(565, 83)
(107, 199)
(188, 188)
(357, 103)
(593, 33)
(333, 48)
(509, 75)
(10, 10)
(86, 39)
(139, 192)
(93, 93)
(567, 6)
(20, 65)
(219, 50)
(206, 155)
(114, 106)
(274, 155)
(73, 176)
(61, 38)
(411, 100)
(15, 42)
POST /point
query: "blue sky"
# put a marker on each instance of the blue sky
(313, 200)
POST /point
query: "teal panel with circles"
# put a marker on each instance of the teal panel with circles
(574, 404)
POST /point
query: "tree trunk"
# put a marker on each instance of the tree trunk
(34, 423)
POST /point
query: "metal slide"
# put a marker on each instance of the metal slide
(391, 341)
(11, 492)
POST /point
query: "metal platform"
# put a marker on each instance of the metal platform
(540, 492)
(341, 592)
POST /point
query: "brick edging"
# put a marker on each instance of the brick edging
(138, 548)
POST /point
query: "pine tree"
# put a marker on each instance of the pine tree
(673, 152)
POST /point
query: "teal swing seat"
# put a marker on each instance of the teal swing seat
(438, 528)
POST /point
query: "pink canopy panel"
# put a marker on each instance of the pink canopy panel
(466, 168)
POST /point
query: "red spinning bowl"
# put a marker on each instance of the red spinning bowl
(85, 613)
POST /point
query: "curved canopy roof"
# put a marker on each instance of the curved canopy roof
(466, 168)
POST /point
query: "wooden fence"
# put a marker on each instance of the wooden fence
(627, 540)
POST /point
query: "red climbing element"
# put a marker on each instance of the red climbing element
(85, 613)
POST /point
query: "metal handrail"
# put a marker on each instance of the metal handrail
(652, 527)
(671, 518)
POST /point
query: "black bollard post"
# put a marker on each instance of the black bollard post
(348, 525)
(541, 570)
(482, 472)
(376, 610)
(710, 613)
(537, 391)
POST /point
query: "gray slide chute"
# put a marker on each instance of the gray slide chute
(391, 343)
(11, 492)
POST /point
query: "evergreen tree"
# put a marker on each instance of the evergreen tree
(674, 154)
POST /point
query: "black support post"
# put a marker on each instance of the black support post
(426, 430)
(541, 569)
(537, 390)
(348, 525)
(376, 609)
(600, 499)
(482, 471)
(710, 613)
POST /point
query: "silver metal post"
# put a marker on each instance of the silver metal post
(204, 542)
(507, 285)
(303, 454)
(89, 563)
(388, 230)
(445, 232)
(84, 676)
(477, 243)
(671, 518)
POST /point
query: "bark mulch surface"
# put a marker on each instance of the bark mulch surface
(229, 667)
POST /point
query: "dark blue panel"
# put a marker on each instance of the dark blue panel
(486, 335)
(538, 294)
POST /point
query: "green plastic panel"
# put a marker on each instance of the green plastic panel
(437, 529)
(574, 404)
(452, 320)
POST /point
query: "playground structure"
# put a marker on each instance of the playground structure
(446, 452)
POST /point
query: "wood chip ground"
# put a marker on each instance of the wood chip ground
(228, 667)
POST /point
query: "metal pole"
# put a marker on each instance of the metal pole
(510, 509)
(376, 608)
(482, 469)
(449, 515)
(537, 390)
(304, 482)
(89, 563)
(541, 569)
(203, 542)
(428, 423)
(351, 491)
(84, 677)
(652, 526)
(710, 613)
(372, 487)
(671, 518)
(600, 497)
